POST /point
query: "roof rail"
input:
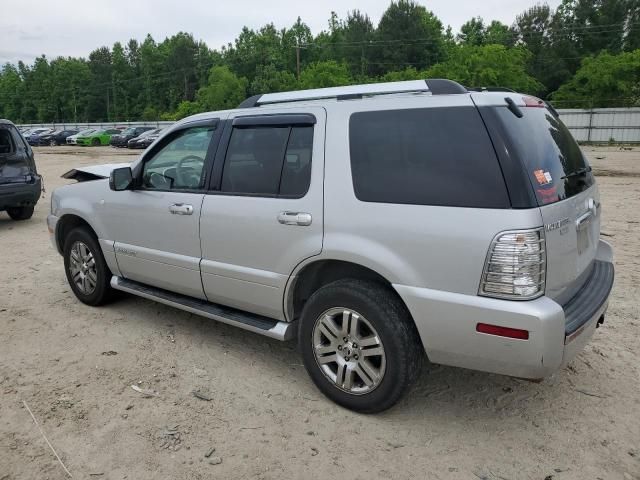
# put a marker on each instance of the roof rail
(490, 89)
(433, 86)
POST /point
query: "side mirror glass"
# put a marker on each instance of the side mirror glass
(121, 179)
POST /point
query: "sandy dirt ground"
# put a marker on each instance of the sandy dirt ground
(74, 366)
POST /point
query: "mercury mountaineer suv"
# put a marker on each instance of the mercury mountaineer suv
(376, 223)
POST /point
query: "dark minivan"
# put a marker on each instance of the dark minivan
(20, 184)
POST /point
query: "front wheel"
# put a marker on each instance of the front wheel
(20, 213)
(360, 345)
(86, 269)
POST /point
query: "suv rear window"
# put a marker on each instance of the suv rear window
(430, 156)
(553, 160)
(7, 146)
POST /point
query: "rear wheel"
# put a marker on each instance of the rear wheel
(95, 142)
(52, 143)
(86, 269)
(360, 345)
(20, 213)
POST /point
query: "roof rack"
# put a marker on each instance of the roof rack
(490, 89)
(432, 86)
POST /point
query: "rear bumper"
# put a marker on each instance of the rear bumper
(19, 194)
(447, 324)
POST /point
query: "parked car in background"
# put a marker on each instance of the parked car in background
(122, 139)
(146, 139)
(20, 184)
(34, 135)
(57, 137)
(97, 138)
(72, 139)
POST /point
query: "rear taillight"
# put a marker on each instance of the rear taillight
(515, 266)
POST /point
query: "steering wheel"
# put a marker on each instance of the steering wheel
(189, 176)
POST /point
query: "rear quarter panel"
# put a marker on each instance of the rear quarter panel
(441, 248)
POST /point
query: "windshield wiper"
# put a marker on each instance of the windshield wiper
(576, 173)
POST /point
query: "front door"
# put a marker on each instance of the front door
(156, 225)
(265, 213)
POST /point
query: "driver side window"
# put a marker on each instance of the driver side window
(179, 164)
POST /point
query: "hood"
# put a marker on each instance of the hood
(93, 172)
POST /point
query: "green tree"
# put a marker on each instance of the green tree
(325, 74)
(472, 32)
(269, 79)
(498, 33)
(408, 35)
(409, 73)
(605, 80)
(223, 90)
(488, 66)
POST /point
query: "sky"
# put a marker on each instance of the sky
(29, 28)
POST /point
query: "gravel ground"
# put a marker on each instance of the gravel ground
(74, 366)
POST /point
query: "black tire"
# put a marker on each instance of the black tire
(52, 143)
(102, 292)
(383, 309)
(95, 142)
(20, 213)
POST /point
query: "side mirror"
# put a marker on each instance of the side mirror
(121, 179)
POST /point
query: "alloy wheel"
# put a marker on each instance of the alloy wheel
(82, 266)
(349, 351)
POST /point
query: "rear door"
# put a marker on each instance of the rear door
(566, 192)
(264, 213)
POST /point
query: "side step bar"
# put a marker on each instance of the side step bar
(247, 321)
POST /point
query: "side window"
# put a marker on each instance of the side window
(179, 163)
(428, 156)
(7, 145)
(268, 160)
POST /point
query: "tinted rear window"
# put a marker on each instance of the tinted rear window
(553, 160)
(434, 156)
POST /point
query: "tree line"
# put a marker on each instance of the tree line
(584, 54)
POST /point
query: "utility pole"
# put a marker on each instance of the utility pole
(75, 107)
(298, 59)
(186, 86)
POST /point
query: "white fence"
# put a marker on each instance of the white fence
(598, 125)
(603, 125)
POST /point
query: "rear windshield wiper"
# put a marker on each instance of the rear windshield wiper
(576, 173)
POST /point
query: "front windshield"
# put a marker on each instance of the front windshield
(86, 132)
(129, 131)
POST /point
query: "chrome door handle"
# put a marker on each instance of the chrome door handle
(584, 220)
(295, 218)
(181, 209)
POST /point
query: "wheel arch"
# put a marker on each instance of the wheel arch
(318, 273)
(68, 222)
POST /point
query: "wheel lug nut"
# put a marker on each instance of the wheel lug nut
(355, 345)
(355, 357)
(345, 339)
(339, 347)
(346, 358)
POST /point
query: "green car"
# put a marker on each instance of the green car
(97, 138)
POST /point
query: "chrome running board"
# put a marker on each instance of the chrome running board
(231, 316)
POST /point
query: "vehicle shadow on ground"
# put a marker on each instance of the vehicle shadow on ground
(7, 223)
(441, 393)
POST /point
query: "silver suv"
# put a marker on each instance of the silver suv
(376, 223)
